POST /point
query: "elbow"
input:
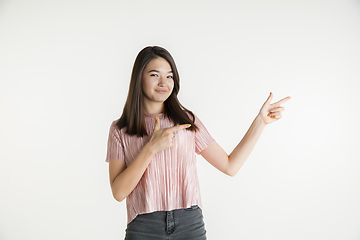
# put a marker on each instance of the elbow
(118, 197)
(230, 169)
(117, 192)
(231, 174)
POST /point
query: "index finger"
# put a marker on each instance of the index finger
(179, 127)
(281, 101)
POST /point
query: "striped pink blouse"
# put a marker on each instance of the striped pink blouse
(170, 181)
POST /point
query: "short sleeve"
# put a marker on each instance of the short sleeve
(202, 136)
(115, 149)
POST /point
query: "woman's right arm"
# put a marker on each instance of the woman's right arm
(124, 179)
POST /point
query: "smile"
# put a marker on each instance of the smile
(161, 91)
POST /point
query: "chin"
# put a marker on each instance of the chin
(162, 99)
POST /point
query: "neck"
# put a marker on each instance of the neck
(153, 108)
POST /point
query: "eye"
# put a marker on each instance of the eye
(169, 76)
(154, 75)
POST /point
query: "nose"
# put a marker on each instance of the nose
(161, 82)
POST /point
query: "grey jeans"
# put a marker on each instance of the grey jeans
(177, 224)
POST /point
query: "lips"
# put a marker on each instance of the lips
(161, 91)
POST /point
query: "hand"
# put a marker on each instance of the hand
(163, 138)
(272, 112)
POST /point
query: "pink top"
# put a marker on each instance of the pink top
(170, 181)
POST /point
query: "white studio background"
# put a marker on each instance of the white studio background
(64, 73)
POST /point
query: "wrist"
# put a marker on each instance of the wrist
(150, 149)
(260, 121)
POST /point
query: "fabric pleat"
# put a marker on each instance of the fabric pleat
(170, 181)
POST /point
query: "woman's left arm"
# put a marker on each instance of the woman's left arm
(230, 164)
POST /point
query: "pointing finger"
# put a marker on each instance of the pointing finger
(179, 127)
(282, 101)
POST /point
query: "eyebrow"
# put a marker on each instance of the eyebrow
(159, 71)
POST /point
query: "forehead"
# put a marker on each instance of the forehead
(159, 64)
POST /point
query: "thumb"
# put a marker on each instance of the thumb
(269, 98)
(157, 124)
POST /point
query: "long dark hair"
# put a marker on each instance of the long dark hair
(133, 116)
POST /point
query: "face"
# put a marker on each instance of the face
(157, 81)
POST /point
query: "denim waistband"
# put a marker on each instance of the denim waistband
(185, 223)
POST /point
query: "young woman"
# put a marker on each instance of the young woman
(151, 152)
